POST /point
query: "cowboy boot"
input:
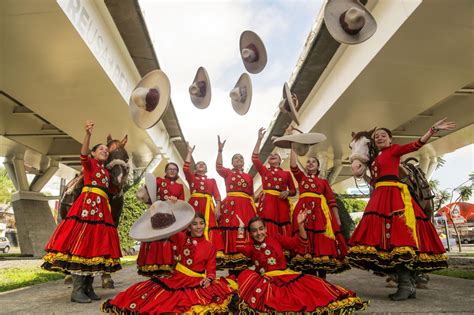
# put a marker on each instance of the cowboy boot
(406, 289)
(89, 289)
(78, 294)
(107, 282)
(422, 280)
(322, 274)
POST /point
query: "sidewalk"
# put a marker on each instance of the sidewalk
(445, 295)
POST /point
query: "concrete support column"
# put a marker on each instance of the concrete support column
(34, 221)
(323, 159)
(20, 173)
(432, 166)
(41, 180)
(11, 172)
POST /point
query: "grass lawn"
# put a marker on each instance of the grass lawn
(13, 278)
(456, 273)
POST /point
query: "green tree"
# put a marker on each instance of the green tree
(354, 205)
(6, 187)
(465, 193)
(132, 210)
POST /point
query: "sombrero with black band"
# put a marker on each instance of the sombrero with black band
(150, 99)
(161, 220)
(253, 52)
(200, 89)
(241, 94)
(349, 21)
(287, 104)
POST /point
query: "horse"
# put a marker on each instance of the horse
(118, 167)
(363, 155)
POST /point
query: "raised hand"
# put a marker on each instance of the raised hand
(89, 126)
(302, 216)
(190, 148)
(241, 223)
(443, 124)
(261, 133)
(220, 145)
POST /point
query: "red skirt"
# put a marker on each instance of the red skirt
(214, 235)
(155, 258)
(175, 293)
(294, 293)
(382, 240)
(86, 242)
(228, 224)
(276, 214)
(324, 253)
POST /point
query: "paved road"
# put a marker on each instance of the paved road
(445, 295)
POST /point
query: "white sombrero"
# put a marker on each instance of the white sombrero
(241, 94)
(200, 89)
(301, 141)
(147, 193)
(287, 105)
(348, 21)
(150, 99)
(161, 220)
(253, 52)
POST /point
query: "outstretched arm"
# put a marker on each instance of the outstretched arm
(89, 126)
(437, 126)
(220, 148)
(261, 134)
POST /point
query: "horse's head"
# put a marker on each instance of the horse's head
(117, 164)
(363, 151)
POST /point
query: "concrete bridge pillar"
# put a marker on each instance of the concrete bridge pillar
(33, 216)
(323, 159)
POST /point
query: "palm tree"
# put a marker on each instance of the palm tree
(465, 192)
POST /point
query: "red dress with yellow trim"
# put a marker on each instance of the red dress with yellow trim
(274, 211)
(328, 247)
(203, 189)
(157, 257)
(86, 241)
(181, 291)
(394, 230)
(274, 288)
(239, 201)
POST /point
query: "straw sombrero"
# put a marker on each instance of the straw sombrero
(348, 21)
(200, 89)
(241, 94)
(150, 99)
(253, 52)
(287, 105)
(161, 220)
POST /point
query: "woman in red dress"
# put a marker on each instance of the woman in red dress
(239, 201)
(192, 287)
(274, 206)
(156, 257)
(86, 242)
(395, 235)
(273, 288)
(203, 189)
(327, 245)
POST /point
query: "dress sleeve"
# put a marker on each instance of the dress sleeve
(181, 193)
(299, 175)
(211, 263)
(291, 242)
(215, 191)
(291, 184)
(399, 150)
(328, 193)
(187, 172)
(86, 162)
(244, 247)
(257, 163)
(222, 171)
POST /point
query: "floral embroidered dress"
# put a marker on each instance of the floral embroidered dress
(274, 211)
(203, 189)
(239, 201)
(181, 291)
(272, 287)
(394, 230)
(327, 245)
(86, 241)
(157, 257)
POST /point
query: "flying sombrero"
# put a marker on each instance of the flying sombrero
(301, 141)
(147, 193)
(161, 220)
(150, 99)
(287, 104)
(348, 21)
(253, 52)
(241, 94)
(200, 89)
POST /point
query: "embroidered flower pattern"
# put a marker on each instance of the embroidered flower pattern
(271, 261)
(92, 212)
(258, 290)
(101, 215)
(88, 201)
(189, 261)
(253, 299)
(133, 305)
(97, 175)
(94, 183)
(267, 252)
(262, 270)
(85, 213)
(98, 200)
(186, 252)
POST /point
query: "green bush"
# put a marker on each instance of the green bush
(132, 210)
(347, 224)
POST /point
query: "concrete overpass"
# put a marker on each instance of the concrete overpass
(64, 62)
(415, 70)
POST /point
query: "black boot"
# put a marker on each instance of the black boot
(322, 273)
(107, 282)
(89, 289)
(406, 288)
(78, 294)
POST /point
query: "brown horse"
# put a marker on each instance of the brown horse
(363, 154)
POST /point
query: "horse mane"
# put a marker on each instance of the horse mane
(367, 134)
